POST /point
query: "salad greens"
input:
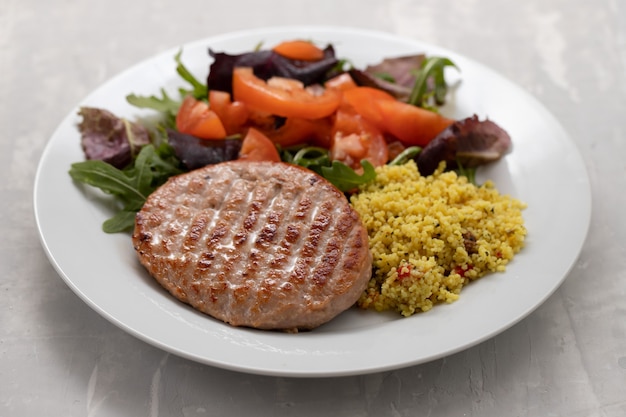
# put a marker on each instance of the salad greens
(157, 161)
(345, 178)
(165, 104)
(168, 152)
(469, 172)
(109, 138)
(406, 155)
(131, 185)
(317, 159)
(431, 71)
(200, 90)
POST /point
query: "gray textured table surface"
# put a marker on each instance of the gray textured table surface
(60, 358)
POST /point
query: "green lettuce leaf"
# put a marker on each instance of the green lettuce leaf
(345, 178)
(132, 185)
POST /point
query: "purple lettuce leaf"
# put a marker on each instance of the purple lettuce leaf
(469, 142)
(267, 64)
(393, 75)
(196, 153)
(109, 138)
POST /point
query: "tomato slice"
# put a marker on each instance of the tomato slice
(354, 139)
(365, 100)
(410, 124)
(300, 50)
(233, 114)
(283, 97)
(343, 82)
(257, 147)
(195, 118)
(299, 131)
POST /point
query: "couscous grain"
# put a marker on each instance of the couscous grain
(430, 236)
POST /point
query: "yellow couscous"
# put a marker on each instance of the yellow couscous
(430, 236)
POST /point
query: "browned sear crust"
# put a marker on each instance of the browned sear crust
(257, 244)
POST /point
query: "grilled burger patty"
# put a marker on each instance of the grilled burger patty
(257, 244)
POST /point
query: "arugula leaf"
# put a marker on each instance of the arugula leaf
(166, 104)
(404, 156)
(345, 178)
(163, 104)
(342, 65)
(468, 172)
(200, 91)
(312, 157)
(122, 221)
(430, 82)
(109, 179)
(318, 160)
(132, 185)
(385, 76)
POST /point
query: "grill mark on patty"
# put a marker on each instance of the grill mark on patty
(190, 200)
(215, 257)
(196, 231)
(212, 253)
(250, 235)
(293, 243)
(284, 234)
(200, 229)
(338, 241)
(353, 245)
(306, 266)
(268, 231)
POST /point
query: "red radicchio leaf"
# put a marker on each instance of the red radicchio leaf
(469, 142)
(196, 153)
(393, 75)
(109, 138)
(267, 64)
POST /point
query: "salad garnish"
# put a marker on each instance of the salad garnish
(295, 102)
(430, 87)
(131, 185)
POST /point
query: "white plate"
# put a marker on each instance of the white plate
(545, 170)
